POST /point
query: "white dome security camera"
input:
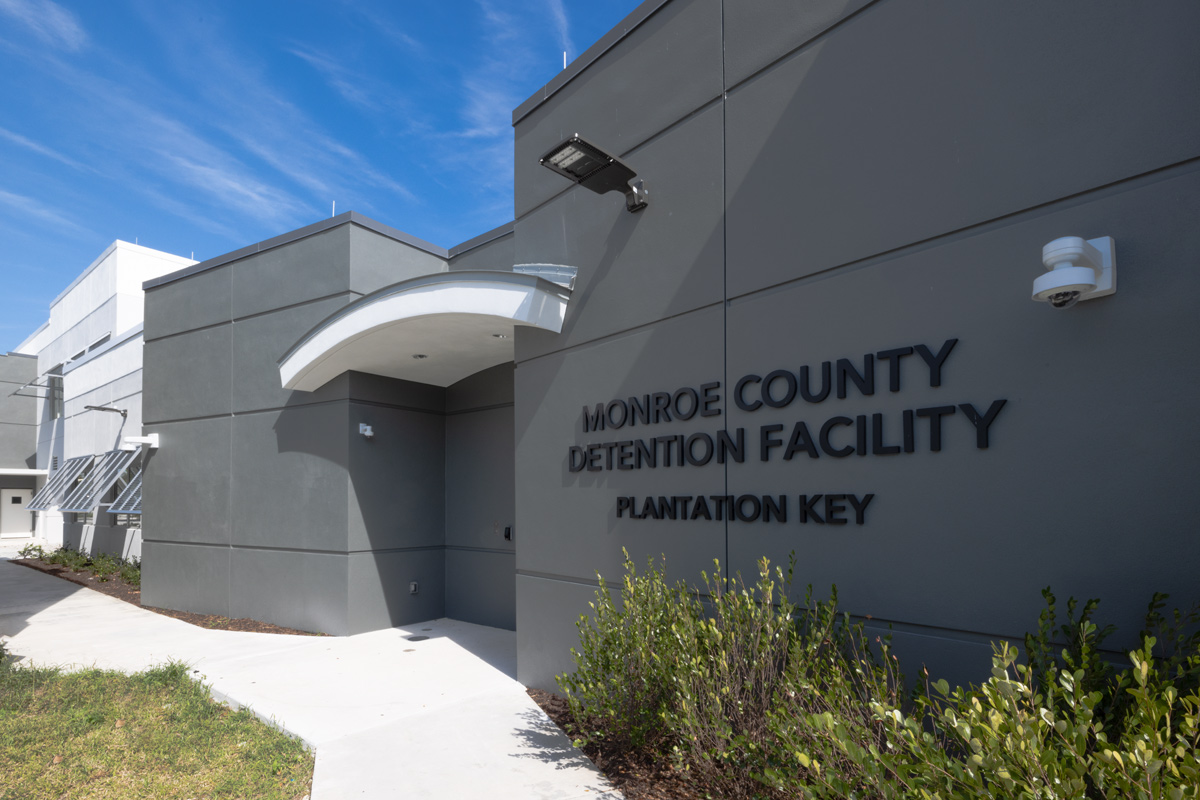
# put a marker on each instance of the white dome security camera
(1076, 270)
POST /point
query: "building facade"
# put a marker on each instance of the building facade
(88, 398)
(817, 340)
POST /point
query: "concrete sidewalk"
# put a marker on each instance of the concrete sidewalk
(387, 716)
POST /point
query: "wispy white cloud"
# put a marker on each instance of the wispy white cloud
(41, 149)
(562, 27)
(345, 82)
(35, 209)
(48, 21)
(385, 26)
(255, 114)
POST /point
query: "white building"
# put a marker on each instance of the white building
(89, 363)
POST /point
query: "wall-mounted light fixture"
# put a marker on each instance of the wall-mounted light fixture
(366, 431)
(1076, 270)
(592, 168)
(122, 411)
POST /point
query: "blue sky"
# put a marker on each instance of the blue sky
(201, 127)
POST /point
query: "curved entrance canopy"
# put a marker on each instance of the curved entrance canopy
(435, 329)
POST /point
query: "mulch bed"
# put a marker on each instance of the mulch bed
(636, 779)
(115, 587)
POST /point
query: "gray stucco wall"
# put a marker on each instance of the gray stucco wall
(18, 414)
(480, 561)
(267, 503)
(850, 179)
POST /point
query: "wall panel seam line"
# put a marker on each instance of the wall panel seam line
(299, 304)
(724, 257)
(462, 548)
(477, 409)
(623, 332)
(552, 576)
(700, 109)
(300, 550)
(200, 329)
(255, 315)
(984, 226)
(814, 39)
(110, 383)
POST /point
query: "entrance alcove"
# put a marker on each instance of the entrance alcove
(431, 489)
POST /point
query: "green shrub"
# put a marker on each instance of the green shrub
(757, 697)
(32, 551)
(130, 571)
(623, 687)
(74, 560)
(104, 566)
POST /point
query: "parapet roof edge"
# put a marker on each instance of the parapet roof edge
(32, 336)
(345, 218)
(20, 355)
(588, 57)
(117, 244)
(482, 239)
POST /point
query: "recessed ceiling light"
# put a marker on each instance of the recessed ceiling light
(419, 356)
(499, 335)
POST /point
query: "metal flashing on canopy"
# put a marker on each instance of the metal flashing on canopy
(129, 501)
(86, 496)
(555, 273)
(62, 480)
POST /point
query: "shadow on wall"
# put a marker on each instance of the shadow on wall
(377, 503)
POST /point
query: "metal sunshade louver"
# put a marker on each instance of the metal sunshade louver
(51, 494)
(130, 499)
(86, 496)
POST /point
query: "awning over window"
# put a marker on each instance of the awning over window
(60, 482)
(129, 501)
(87, 493)
(435, 329)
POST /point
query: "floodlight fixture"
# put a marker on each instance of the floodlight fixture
(122, 411)
(582, 162)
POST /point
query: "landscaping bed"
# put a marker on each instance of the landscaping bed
(736, 692)
(114, 585)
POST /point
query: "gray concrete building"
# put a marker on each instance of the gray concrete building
(818, 338)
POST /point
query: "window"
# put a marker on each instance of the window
(54, 383)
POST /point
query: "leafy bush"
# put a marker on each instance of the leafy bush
(622, 690)
(130, 571)
(104, 566)
(32, 551)
(757, 697)
(74, 560)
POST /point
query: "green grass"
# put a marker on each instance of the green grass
(156, 734)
